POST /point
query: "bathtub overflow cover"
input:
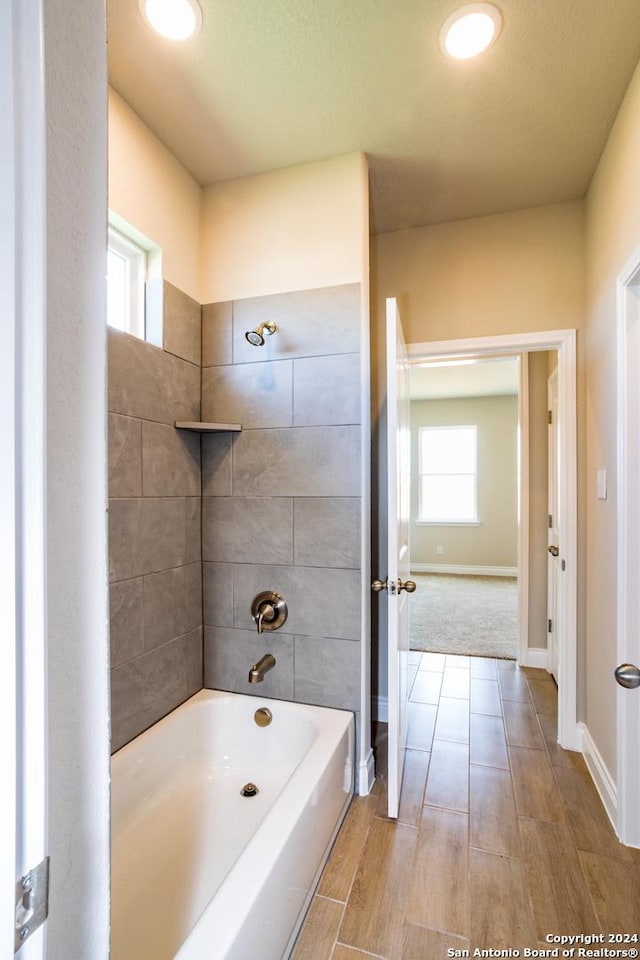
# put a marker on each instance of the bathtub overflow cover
(249, 790)
(263, 716)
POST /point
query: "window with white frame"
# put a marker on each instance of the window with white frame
(126, 277)
(448, 474)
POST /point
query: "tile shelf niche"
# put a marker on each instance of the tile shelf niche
(199, 427)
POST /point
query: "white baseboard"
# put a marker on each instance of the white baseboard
(366, 775)
(475, 571)
(380, 709)
(536, 657)
(605, 784)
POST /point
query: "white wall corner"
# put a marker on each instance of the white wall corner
(605, 784)
(366, 775)
(536, 657)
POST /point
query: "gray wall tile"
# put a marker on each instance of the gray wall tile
(195, 661)
(156, 647)
(126, 619)
(149, 383)
(298, 462)
(146, 689)
(216, 464)
(218, 594)
(182, 324)
(255, 395)
(327, 532)
(326, 390)
(229, 655)
(172, 604)
(239, 530)
(170, 461)
(327, 672)
(193, 530)
(310, 323)
(319, 600)
(145, 536)
(125, 456)
(217, 321)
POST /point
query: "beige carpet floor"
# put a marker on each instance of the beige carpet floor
(476, 616)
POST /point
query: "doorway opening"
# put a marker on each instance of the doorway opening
(465, 506)
(402, 717)
(559, 345)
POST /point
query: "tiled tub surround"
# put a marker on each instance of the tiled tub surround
(280, 505)
(155, 554)
(281, 500)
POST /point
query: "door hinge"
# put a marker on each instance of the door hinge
(32, 902)
(549, 626)
(549, 416)
(550, 522)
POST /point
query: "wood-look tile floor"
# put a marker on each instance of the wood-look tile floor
(501, 838)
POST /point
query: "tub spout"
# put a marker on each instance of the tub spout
(258, 670)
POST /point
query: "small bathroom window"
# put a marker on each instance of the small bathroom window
(133, 262)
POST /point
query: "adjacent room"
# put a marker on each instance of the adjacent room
(464, 508)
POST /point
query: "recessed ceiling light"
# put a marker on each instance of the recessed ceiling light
(174, 19)
(470, 30)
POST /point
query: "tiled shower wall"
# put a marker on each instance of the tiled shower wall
(155, 556)
(281, 500)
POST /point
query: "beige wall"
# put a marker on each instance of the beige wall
(154, 192)
(509, 273)
(292, 229)
(494, 541)
(612, 236)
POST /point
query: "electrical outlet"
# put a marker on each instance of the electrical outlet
(439, 549)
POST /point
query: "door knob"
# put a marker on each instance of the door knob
(408, 585)
(627, 675)
(379, 585)
(554, 551)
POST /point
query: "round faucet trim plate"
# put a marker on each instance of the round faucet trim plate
(268, 610)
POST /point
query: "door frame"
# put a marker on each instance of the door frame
(626, 799)
(552, 532)
(564, 342)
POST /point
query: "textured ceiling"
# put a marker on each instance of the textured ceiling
(272, 84)
(481, 378)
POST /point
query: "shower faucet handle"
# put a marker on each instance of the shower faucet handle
(268, 610)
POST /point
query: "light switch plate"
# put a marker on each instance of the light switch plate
(601, 484)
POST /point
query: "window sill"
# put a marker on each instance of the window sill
(448, 523)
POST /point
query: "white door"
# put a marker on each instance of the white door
(398, 514)
(553, 535)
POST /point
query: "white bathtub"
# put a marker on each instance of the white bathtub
(200, 872)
